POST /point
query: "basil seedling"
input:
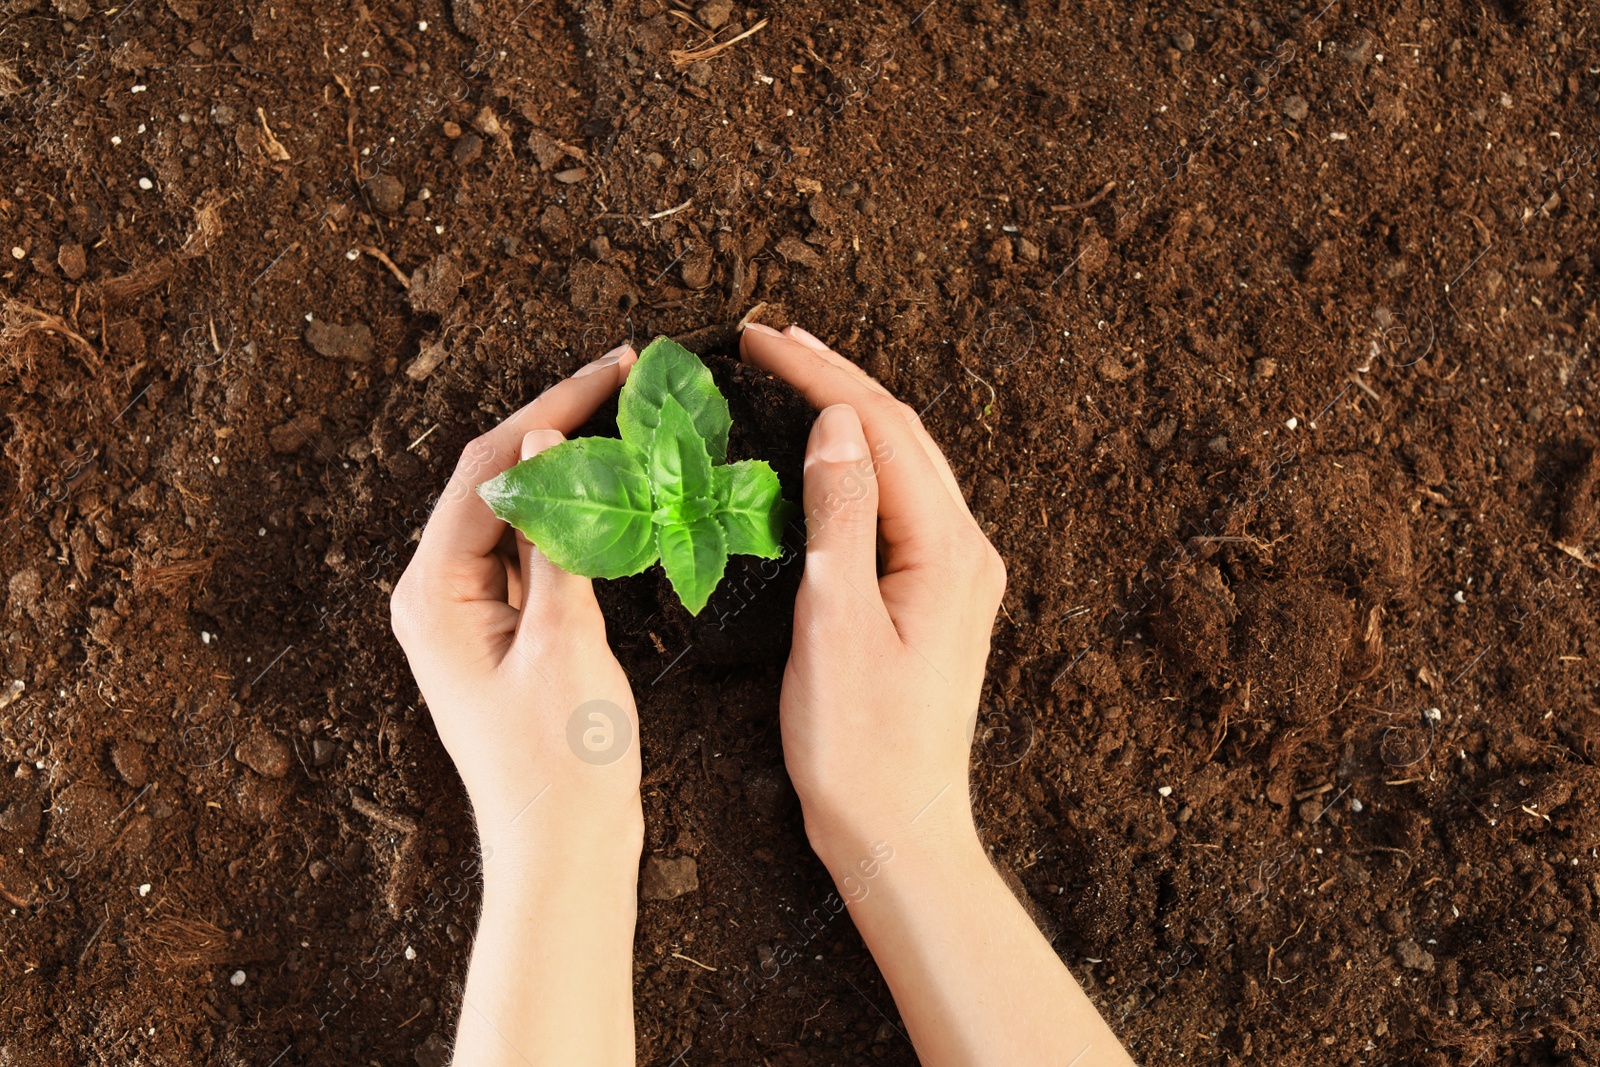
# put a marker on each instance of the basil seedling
(606, 508)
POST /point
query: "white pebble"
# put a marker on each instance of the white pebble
(141, 127)
(18, 252)
(1337, 136)
(261, 532)
(138, 88)
(205, 638)
(1460, 597)
(1165, 790)
(1292, 423)
(438, 229)
(411, 953)
(236, 978)
(116, 140)
(1434, 714)
(423, 25)
(1356, 806)
(352, 254)
(146, 184)
(144, 890)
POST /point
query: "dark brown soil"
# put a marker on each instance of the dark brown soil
(1261, 339)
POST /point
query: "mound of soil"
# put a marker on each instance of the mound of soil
(1260, 337)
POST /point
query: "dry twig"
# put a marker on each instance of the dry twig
(682, 58)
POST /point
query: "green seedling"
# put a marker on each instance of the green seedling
(607, 508)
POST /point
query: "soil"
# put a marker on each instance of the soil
(1261, 339)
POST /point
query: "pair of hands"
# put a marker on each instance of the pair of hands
(880, 694)
(878, 709)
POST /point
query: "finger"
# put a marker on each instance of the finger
(841, 500)
(915, 510)
(550, 595)
(462, 532)
(935, 454)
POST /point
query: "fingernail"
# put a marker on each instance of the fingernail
(762, 328)
(536, 441)
(807, 338)
(610, 359)
(837, 437)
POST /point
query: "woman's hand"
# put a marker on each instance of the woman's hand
(880, 696)
(510, 653)
(879, 703)
(507, 647)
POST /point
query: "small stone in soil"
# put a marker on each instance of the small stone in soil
(1183, 41)
(236, 979)
(1296, 108)
(71, 259)
(664, 879)
(353, 343)
(467, 149)
(714, 14)
(1414, 956)
(388, 193)
(127, 756)
(265, 753)
(434, 285)
(322, 751)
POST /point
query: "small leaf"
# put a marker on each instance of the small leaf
(585, 503)
(666, 368)
(680, 468)
(750, 508)
(694, 556)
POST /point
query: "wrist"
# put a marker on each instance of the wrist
(849, 842)
(588, 840)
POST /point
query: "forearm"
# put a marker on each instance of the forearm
(551, 977)
(974, 979)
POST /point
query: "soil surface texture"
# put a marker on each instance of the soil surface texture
(1260, 337)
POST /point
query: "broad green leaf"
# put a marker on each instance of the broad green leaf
(750, 508)
(667, 369)
(678, 512)
(694, 556)
(680, 468)
(585, 503)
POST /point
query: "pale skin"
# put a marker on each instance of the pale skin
(879, 699)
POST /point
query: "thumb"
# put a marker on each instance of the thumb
(550, 596)
(841, 499)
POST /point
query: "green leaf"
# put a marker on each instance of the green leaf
(750, 508)
(694, 556)
(667, 369)
(585, 503)
(680, 467)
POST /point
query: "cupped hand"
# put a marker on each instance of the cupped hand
(510, 651)
(880, 695)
